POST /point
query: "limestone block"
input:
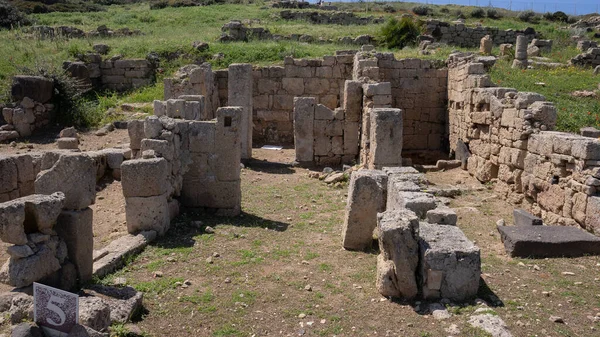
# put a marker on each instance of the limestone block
(385, 138)
(161, 148)
(240, 88)
(211, 193)
(586, 148)
(441, 215)
(135, 129)
(68, 143)
(386, 282)
(175, 109)
(418, 202)
(486, 171)
(578, 210)
(202, 137)
(592, 218)
(351, 137)
(293, 86)
(94, 313)
(12, 217)
(23, 272)
(227, 136)
(323, 112)
(352, 104)
(304, 115)
(42, 211)
(398, 237)
(38, 88)
(152, 127)
(76, 229)
(552, 199)
(366, 197)
(144, 177)
(9, 176)
(147, 213)
(160, 108)
(75, 176)
(450, 264)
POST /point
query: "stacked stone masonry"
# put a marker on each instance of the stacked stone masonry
(552, 174)
(112, 74)
(423, 254)
(329, 18)
(459, 34)
(589, 58)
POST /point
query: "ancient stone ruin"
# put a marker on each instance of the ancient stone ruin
(329, 18)
(459, 34)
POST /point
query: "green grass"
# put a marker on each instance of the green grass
(573, 113)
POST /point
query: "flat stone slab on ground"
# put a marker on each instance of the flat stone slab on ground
(548, 241)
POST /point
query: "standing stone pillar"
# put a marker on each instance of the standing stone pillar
(240, 94)
(367, 195)
(385, 138)
(485, 45)
(304, 116)
(520, 53)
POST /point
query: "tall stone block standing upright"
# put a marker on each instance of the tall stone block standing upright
(75, 227)
(385, 138)
(520, 60)
(485, 45)
(240, 94)
(304, 116)
(366, 197)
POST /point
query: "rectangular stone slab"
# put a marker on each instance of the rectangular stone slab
(523, 218)
(548, 241)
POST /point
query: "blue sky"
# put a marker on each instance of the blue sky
(568, 6)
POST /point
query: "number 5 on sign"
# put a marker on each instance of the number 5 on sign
(55, 311)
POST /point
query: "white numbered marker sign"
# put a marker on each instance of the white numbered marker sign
(55, 311)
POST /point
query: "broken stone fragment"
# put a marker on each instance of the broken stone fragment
(12, 216)
(23, 272)
(94, 313)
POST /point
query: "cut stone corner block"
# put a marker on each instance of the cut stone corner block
(441, 215)
(398, 243)
(147, 213)
(366, 197)
(418, 202)
(385, 138)
(450, 264)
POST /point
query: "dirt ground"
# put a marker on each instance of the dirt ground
(279, 269)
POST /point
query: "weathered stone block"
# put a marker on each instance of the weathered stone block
(12, 217)
(23, 272)
(418, 202)
(450, 264)
(144, 177)
(523, 218)
(385, 138)
(9, 177)
(304, 115)
(592, 218)
(398, 242)
(68, 143)
(147, 213)
(442, 216)
(76, 229)
(366, 197)
(42, 211)
(75, 176)
(135, 129)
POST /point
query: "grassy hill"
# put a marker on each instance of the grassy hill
(170, 31)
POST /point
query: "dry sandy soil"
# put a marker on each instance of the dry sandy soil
(279, 269)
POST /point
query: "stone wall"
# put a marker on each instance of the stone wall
(589, 58)
(461, 35)
(112, 74)
(552, 174)
(329, 18)
(181, 161)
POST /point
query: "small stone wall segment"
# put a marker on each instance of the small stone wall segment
(240, 94)
(329, 18)
(304, 118)
(420, 90)
(213, 178)
(31, 108)
(112, 74)
(385, 138)
(367, 196)
(459, 34)
(195, 80)
(589, 58)
(450, 264)
(552, 174)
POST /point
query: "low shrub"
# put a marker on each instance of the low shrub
(11, 16)
(493, 13)
(389, 9)
(526, 16)
(421, 10)
(444, 10)
(400, 33)
(460, 15)
(478, 13)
